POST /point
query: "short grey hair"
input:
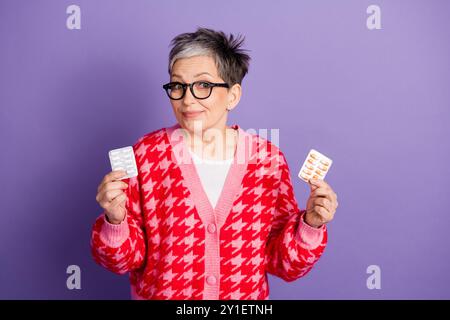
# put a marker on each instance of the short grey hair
(231, 60)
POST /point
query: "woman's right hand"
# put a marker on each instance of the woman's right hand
(111, 197)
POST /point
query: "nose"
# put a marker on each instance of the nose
(188, 97)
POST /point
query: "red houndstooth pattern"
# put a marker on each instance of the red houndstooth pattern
(164, 244)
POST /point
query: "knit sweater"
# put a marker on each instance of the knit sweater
(175, 245)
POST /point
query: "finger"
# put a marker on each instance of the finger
(112, 186)
(319, 183)
(109, 196)
(324, 214)
(315, 183)
(324, 202)
(111, 177)
(313, 187)
(114, 175)
(117, 200)
(322, 192)
(327, 190)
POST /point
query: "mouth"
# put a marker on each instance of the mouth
(191, 114)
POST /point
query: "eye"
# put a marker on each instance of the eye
(203, 85)
(176, 86)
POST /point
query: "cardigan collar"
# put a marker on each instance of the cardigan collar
(181, 156)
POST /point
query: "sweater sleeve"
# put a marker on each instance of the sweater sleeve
(121, 247)
(293, 247)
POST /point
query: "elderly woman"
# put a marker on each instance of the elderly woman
(212, 210)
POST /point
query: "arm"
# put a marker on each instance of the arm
(293, 246)
(121, 247)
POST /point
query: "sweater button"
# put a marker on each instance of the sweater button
(211, 228)
(211, 280)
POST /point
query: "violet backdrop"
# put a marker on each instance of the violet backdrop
(377, 102)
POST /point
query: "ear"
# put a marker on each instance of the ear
(234, 96)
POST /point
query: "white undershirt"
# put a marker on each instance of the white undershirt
(212, 175)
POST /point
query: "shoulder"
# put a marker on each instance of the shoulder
(265, 149)
(151, 137)
(150, 143)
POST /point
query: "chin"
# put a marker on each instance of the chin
(193, 124)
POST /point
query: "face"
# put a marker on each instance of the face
(210, 112)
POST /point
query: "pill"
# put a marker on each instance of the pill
(316, 166)
(304, 176)
(123, 159)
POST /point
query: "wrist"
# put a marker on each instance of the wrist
(113, 221)
(307, 220)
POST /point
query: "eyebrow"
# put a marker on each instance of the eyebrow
(201, 73)
(198, 74)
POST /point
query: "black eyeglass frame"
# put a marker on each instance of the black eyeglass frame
(191, 88)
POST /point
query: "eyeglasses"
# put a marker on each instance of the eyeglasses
(199, 89)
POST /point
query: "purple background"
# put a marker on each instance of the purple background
(376, 102)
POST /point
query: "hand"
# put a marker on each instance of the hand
(111, 197)
(321, 205)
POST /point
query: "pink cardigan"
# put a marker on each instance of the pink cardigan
(176, 246)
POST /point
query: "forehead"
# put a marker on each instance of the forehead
(192, 66)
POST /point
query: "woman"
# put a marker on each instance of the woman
(212, 210)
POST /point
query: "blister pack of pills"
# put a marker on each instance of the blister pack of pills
(123, 159)
(315, 166)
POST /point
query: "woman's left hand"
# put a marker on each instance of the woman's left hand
(321, 205)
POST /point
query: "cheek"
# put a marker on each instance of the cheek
(215, 106)
(176, 105)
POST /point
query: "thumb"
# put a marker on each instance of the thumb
(312, 186)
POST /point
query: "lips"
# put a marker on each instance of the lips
(191, 114)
